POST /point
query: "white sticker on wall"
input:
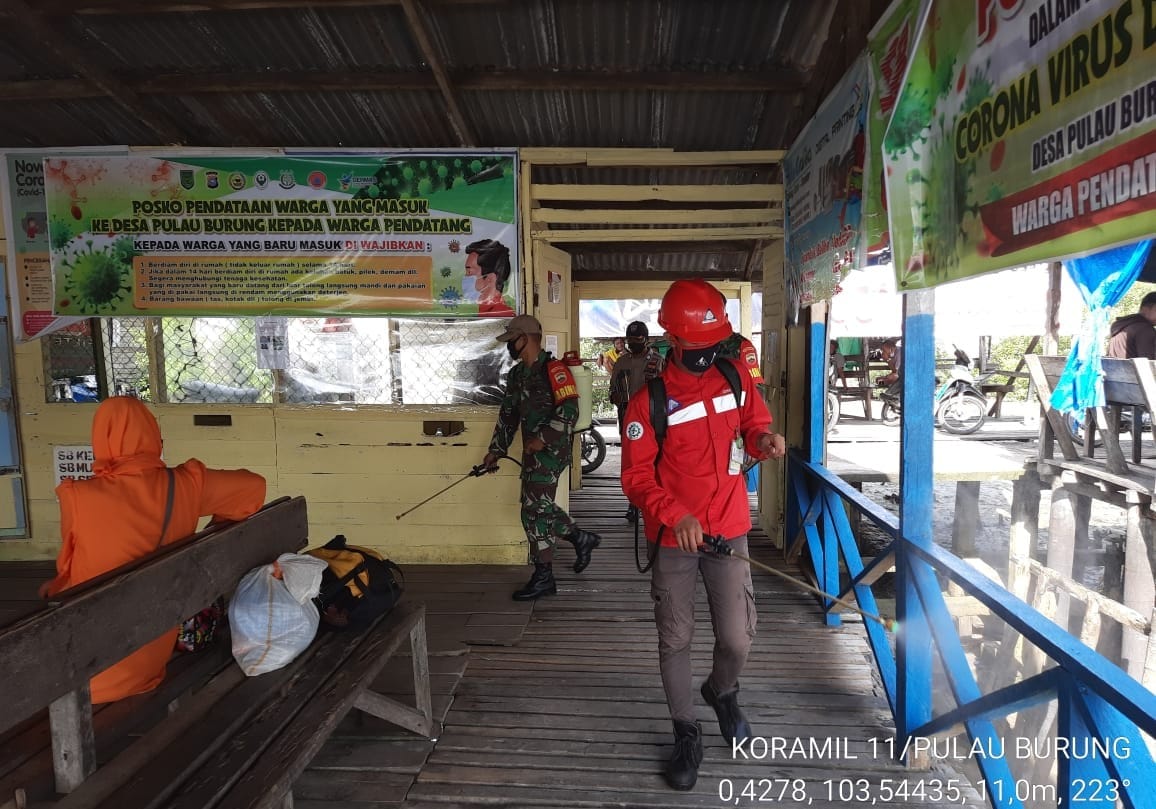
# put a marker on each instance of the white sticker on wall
(71, 463)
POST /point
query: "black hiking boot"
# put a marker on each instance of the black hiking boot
(584, 544)
(731, 722)
(682, 769)
(541, 583)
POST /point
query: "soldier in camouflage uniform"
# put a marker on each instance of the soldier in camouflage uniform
(541, 398)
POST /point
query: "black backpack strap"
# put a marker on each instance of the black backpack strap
(730, 372)
(656, 387)
(168, 506)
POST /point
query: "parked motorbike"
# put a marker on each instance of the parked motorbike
(960, 406)
(593, 447)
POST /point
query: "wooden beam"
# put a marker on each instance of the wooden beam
(653, 275)
(659, 234)
(651, 248)
(416, 19)
(753, 260)
(744, 192)
(132, 7)
(644, 157)
(37, 29)
(401, 81)
(701, 216)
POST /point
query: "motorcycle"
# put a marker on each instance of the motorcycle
(593, 447)
(960, 406)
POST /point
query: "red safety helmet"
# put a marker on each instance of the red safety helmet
(695, 311)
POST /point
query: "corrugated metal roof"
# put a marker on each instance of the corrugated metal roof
(272, 40)
(615, 34)
(536, 38)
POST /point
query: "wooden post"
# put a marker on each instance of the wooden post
(1052, 313)
(1025, 531)
(155, 345)
(966, 519)
(1112, 634)
(1062, 541)
(398, 396)
(73, 746)
(421, 686)
(1139, 590)
(916, 506)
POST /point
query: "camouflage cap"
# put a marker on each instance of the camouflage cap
(519, 326)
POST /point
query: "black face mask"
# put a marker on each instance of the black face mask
(697, 360)
(636, 348)
(512, 347)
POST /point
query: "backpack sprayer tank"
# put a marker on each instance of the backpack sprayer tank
(584, 378)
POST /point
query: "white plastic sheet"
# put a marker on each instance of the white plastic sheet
(273, 619)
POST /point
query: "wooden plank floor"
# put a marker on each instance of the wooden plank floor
(573, 714)
(562, 705)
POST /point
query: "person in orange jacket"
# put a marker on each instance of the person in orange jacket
(689, 487)
(119, 515)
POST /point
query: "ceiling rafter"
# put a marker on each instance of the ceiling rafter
(415, 16)
(682, 81)
(55, 39)
(89, 8)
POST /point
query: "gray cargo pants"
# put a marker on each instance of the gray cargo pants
(731, 597)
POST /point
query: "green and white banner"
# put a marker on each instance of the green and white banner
(888, 48)
(406, 234)
(1025, 131)
(26, 220)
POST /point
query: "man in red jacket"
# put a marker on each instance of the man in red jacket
(693, 487)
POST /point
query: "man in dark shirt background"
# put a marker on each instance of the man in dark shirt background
(1133, 336)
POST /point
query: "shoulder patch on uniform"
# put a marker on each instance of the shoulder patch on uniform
(635, 430)
(562, 383)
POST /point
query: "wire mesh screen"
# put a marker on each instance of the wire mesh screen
(70, 364)
(300, 360)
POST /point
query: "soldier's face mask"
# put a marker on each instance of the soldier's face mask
(636, 346)
(512, 347)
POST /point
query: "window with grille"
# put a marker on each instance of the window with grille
(325, 360)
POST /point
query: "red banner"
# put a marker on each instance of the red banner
(1115, 185)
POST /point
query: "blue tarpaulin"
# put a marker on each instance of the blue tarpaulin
(1102, 279)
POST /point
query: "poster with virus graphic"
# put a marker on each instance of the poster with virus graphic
(1024, 132)
(408, 234)
(823, 192)
(26, 222)
(888, 48)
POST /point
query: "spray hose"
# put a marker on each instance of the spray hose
(475, 472)
(718, 546)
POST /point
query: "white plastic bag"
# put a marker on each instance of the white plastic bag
(273, 619)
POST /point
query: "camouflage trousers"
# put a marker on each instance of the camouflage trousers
(544, 520)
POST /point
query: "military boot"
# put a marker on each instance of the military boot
(731, 722)
(541, 583)
(584, 544)
(682, 769)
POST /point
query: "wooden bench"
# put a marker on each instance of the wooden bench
(236, 741)
(1127, 383)
(1002, 389)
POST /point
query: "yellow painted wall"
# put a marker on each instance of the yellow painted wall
(356, 468)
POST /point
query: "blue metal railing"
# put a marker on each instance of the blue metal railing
(1099, 707)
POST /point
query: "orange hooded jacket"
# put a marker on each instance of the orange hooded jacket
(116, 517)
